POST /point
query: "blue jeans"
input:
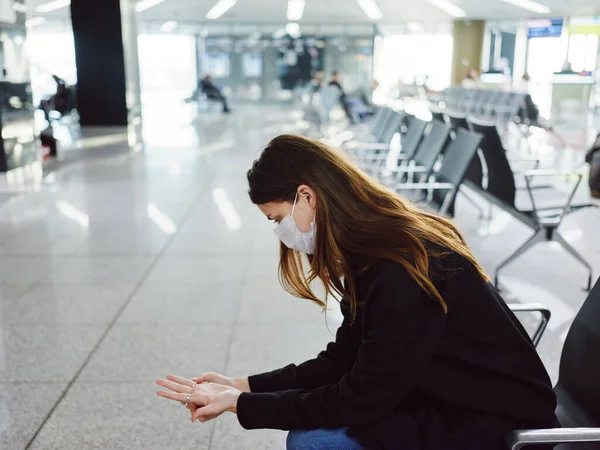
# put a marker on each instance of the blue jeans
(321, 440)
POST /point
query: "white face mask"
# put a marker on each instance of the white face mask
(292, 237)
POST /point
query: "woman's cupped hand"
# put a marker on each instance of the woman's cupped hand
(210, 395)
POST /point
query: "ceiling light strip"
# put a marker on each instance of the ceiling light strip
(143, 5)
(295, 9)
(530, 6)
(220, 8)
(370, 9)
(449, 8)
(52, 6)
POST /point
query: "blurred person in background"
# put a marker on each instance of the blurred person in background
(212, 92)
(471, 80)
(335, 80)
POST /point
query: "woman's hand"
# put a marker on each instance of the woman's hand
(241, 384)
(206, 400)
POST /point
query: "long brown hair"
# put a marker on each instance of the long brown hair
(359, 221)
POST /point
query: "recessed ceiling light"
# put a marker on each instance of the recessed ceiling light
(220, 8)
(295, 9)
(449, 8)
(530, 6)
(293, 29)
(52, 6)
(371, 9)
(169, 26)
(143, 5)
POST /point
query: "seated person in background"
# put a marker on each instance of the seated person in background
(60, 101)
(428, 357)
(362, 100)
(471, 80)
(367, 96)
(335, 81)
(212, 92)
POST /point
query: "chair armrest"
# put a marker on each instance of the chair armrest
(408, 169)
(434, 186)
(534, 307)
(566, 208)
(371, 146)
(525, 160)
(549, 173)
(518, 438)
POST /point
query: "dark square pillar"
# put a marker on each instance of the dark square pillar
(101, 82)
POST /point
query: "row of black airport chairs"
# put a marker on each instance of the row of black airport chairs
(474, 156)
(488, 104)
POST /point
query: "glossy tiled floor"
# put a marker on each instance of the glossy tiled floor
(119, 267)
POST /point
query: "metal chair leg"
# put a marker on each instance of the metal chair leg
(561, 240)
(539, 236)
(473, 203)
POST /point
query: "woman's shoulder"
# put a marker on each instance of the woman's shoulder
(443, 264)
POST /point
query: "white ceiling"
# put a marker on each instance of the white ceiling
(345, 11)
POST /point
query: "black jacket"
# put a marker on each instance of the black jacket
(406, 375)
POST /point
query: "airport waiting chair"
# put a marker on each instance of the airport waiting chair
(456, 120)
(321, 105)
(457, 157)
(437, 115)
(408, 144)
(369, 154)
(425, 157)
(376, 126)
(507, 110)
(369, 131)
(578, 387)
(501, 190)
(413, 136)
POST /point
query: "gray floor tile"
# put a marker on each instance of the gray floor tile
(221, 242)
(147, 351)
(23, 408)
(9, 293)
(199, 269)
(184, 303)
(44, 353)
(229, 435)
(259, 348)
(29, 244)
(124, 239)
(24, 269)
(125, 416)
(113, 270)
(67, 303)
(267, 302)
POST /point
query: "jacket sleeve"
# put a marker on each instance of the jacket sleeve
(403, 331)
(327, 368)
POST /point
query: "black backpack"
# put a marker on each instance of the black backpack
(593, 159)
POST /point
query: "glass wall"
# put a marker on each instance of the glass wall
(167, 65)
(51, 51)
(267, 62)
(422, 57)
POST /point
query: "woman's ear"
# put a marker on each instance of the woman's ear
(306, 192)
